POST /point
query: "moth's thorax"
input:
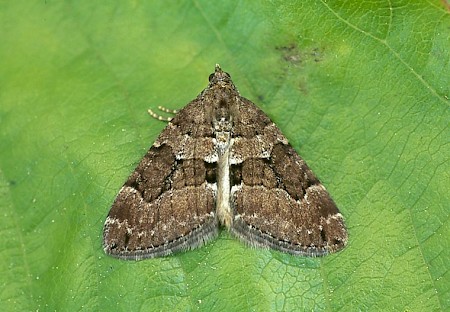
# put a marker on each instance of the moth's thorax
(221, 104)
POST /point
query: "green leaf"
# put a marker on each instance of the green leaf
(360, 88)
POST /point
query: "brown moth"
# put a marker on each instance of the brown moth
(222, 161)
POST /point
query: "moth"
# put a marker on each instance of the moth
(222, 162)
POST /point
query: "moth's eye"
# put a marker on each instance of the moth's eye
(210, 77)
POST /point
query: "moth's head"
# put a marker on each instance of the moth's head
(220, 78)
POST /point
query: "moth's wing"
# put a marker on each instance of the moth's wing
(167, 204)
(277, 200)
